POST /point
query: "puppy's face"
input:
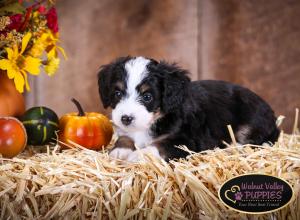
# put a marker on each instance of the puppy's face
(136, 90)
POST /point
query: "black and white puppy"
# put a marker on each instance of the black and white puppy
(158, 107)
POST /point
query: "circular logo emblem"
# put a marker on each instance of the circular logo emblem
(256, 193)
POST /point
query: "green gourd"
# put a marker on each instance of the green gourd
(41, 124)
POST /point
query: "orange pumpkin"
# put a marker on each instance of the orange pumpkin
(11, 101)
(90, 130)
(13, 137)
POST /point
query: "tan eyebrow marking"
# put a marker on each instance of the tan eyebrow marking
(120, 85)
(144, 88)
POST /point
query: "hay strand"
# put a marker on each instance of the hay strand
(295, 127)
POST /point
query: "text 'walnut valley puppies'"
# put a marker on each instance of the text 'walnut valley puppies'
(158, 107)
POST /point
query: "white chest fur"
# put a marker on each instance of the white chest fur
(141, 139)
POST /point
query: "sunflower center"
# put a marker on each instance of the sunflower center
(21, 62)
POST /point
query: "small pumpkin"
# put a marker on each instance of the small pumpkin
(41, 123)
(91, 130)
(12, 137)
(11, 101)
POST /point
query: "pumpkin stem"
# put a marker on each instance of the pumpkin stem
(80, 110)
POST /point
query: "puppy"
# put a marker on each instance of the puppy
(157, 106)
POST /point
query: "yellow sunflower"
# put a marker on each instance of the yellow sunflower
(52, 63)
(51, 41)
(39, 46)
(17, 65)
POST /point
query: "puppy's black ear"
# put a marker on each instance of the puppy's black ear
(175, 82)
(155, 62)
(104, 79)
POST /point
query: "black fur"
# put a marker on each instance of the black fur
(195, 114)
(174, 82)
(108, 74)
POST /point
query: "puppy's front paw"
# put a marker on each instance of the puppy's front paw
(120, 153)
(138, 155)
(135, 156)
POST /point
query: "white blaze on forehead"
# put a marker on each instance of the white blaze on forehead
(136, 71)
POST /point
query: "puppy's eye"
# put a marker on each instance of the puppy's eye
(147, 97)
(118, 94)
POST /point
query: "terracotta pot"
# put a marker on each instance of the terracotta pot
(11, 101)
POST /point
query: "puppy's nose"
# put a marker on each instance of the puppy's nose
(126, 120)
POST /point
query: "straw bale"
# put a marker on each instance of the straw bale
(46, 183)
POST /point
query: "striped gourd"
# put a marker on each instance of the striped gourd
(41, 123)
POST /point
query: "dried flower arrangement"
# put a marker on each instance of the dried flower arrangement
(28, 40)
